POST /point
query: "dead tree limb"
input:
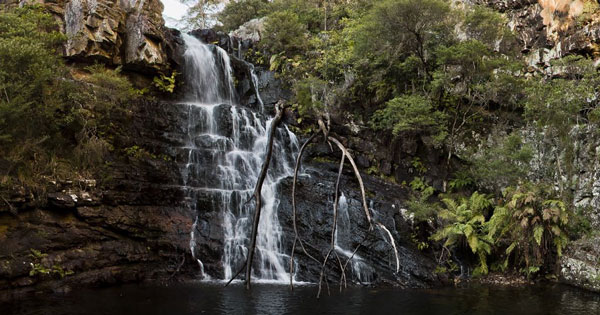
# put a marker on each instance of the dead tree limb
(352, 256)
(10, 206)
(237, 274)
(380, 225)
(358, 177)
(258, 190)
(345, 154)
(297, 238)
(343, 276)
(335, 215)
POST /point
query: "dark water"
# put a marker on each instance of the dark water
(274, 299)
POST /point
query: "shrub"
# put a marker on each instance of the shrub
(464, 225)
(531, 225)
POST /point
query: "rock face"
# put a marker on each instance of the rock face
(580, 266)
(118, 32)
(250, 30)
(314, 198)
(130, 226)
(549, 30)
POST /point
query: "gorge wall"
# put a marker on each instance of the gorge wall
(137, 224)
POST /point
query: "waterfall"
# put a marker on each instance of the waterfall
(208, 73)
(361, 271)
(224, 153)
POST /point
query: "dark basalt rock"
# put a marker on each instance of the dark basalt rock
(314, 198)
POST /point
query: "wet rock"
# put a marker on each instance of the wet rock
(62, 200)
(314, 199)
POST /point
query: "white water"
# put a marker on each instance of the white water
(208, 73)
(225, 149)
(361, 271)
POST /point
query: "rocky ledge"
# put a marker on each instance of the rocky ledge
(580, 265)
(129, 33)
(130, 225)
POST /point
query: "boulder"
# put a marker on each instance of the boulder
(580, 265)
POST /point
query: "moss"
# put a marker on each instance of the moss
(323, 159)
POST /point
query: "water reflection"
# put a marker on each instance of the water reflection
(278, 299)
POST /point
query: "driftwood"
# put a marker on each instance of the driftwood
(258, 190)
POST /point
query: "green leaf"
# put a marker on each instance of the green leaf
(538, 232)
(468, 230)
(511, 248)
(473, 242)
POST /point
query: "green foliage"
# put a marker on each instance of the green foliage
(309, 96)
(165, 83)
(487, 26)
(462, 180)
(532, 225)
(239, 12)
(464, 224)
(567, 100)
(284, 32)
(409, 113)
(419, 201)
(53, 124)
(501, 163)
(41, 266)
(395, 29)
(28, 68)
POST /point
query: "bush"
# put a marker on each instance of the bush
(411, 113)
(51, 125)
(464, 225)
(239, 12)
(531, 226)
(284, 33)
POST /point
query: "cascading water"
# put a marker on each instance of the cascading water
(225, 149)
(208, 74)
(361, 271)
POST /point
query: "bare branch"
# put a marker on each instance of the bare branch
(10, 206)
(379, 224)
(296, 236)
(258, 189)
(335, 215)
(343, 283)
(178, 267)
(358, 177)
(237, 274)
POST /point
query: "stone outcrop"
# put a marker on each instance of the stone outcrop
(250, 30)
(130, 33)
(580, 266)
(547, 30)
(130, 226)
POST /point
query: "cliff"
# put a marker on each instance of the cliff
(136, 224)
